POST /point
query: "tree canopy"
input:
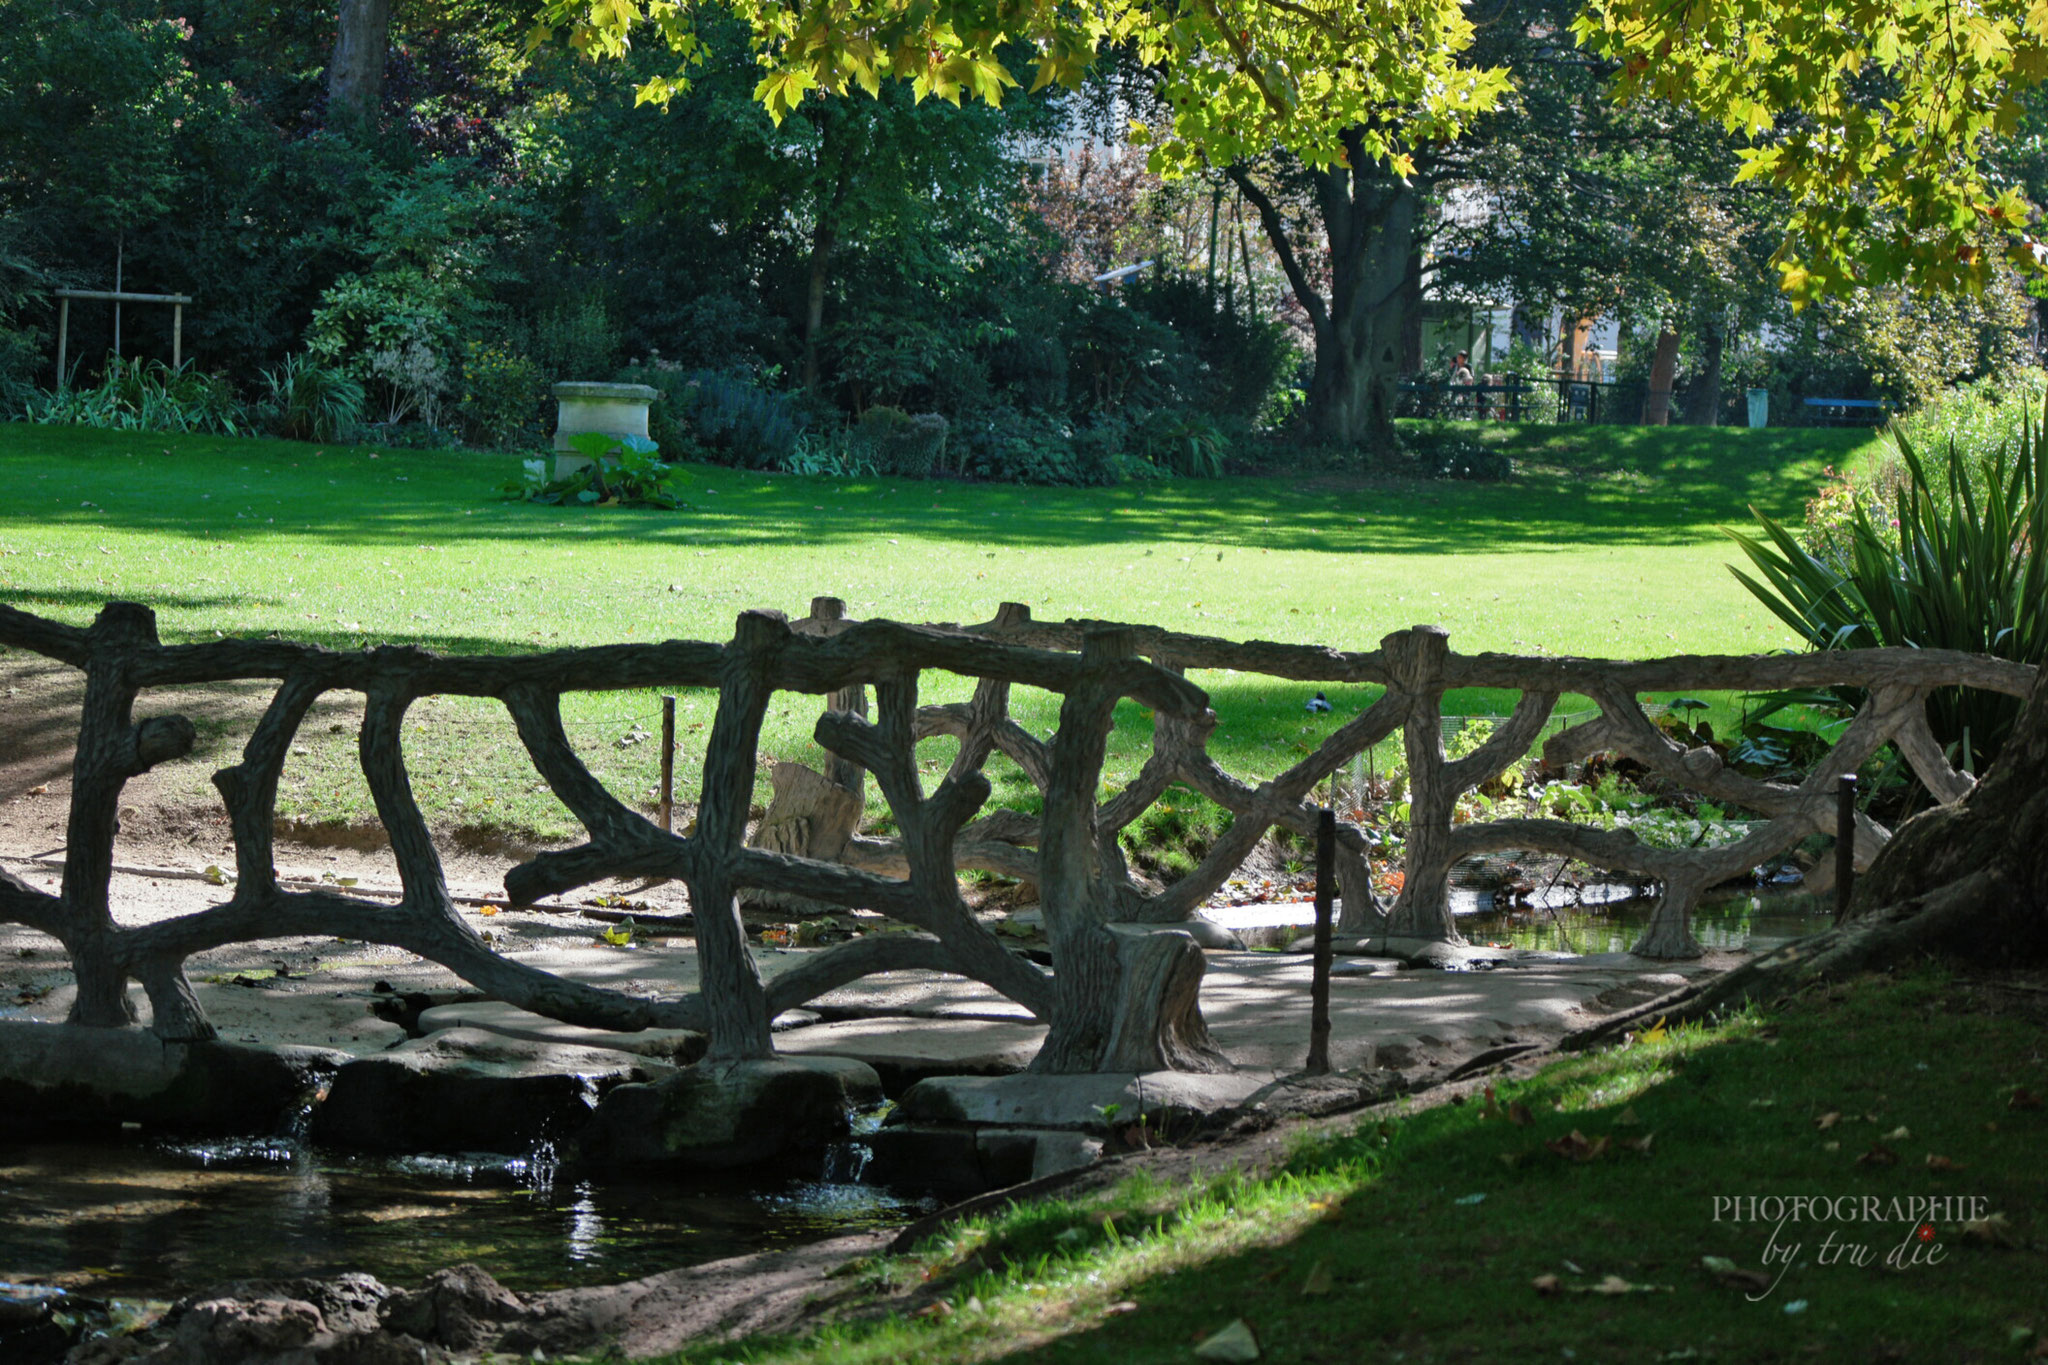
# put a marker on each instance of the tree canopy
(1878, 118)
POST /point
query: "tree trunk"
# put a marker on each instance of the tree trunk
(835, 167)
(355, 74)
(1703, 397)
(1361, 327)
(1663, 365)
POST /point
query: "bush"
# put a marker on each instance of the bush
(1239, 357)
(1189, 444)
(898, 443)
(310, 401)
(737, 423)
(21, 355)
(147, 395)
(573, 341)
(1962, 570)
(502, 396)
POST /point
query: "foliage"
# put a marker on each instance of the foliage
(502, 395)
(311, 401)
(1963, 570)
(737, 422)
(620, 472)
(1881, 114)
(147, 395)
(1239, 355)
(899, 443)
(1190, 444)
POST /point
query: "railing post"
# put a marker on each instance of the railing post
(1319, 985)
(668, 764)
(1845, 844)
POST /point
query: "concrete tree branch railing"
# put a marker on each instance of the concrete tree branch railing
(1115, 1000)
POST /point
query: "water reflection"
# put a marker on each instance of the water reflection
(153, 1219)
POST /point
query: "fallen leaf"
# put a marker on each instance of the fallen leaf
(1993, 1229)
(1655, 1033)
(1728, 1272)
(940, 1309)
(1519, 1115)
(1641, 1144)
(43, 789)
(1576, 1146)
(1319, 1281)
(1828, 1120)
(1547, 1285)
(487, 910)
(212, 873)
(1898, 1134)
(1491, 1109)
(1234, 1342)
(1878, 1155)
(1121, 1306)
(1941, 1163)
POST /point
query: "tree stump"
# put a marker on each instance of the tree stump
(810, 816)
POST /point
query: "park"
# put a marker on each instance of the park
(895, 683)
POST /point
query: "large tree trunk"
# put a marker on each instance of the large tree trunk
(1703, 397)
(355, 74)
(1361, 327)
(1663, 365)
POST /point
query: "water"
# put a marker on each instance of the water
(144, 1219)
(1601, 918)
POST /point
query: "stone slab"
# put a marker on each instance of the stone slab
(718, 1115)
(905, 1051)
(1078, 1102)
(680, 1046)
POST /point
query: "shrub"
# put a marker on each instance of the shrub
(1190, 444)
(573, 341)
(899, 443)
(147, 395)
(308, 400)
(1963, 570)
(502, 396)
(740, 424)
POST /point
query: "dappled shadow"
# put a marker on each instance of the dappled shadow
(1624, 489)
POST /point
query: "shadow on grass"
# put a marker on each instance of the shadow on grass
(1610, 486)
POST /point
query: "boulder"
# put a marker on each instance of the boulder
(724, 1114)
(957, 1162)
(463, 1090)
(461, 1307)
(58, 1077)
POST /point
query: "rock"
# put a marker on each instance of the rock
(436, 1094)
(460, 1307)
(1213, 937)
(227, 1330)
(725, 1114)
(678, 1046)
(957, 1162)
(67, 1076)
(905, 1051)
(1085, 1102)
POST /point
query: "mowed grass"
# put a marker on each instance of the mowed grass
(1607, 543)
(1571, 1220)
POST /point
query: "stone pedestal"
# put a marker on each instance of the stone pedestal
(614, 409)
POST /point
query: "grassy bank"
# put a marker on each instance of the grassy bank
(1606, 542)
(1575, 1219)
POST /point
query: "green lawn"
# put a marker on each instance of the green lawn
(1467, 1233)
(1606, 543)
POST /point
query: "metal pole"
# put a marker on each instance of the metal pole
(668, 763)
(63, 338)
(1845, 845)
(177, 336)
(1319, 986)
(120, 248)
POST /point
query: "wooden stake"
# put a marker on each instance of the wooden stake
(1319, 986)
(668, 763)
